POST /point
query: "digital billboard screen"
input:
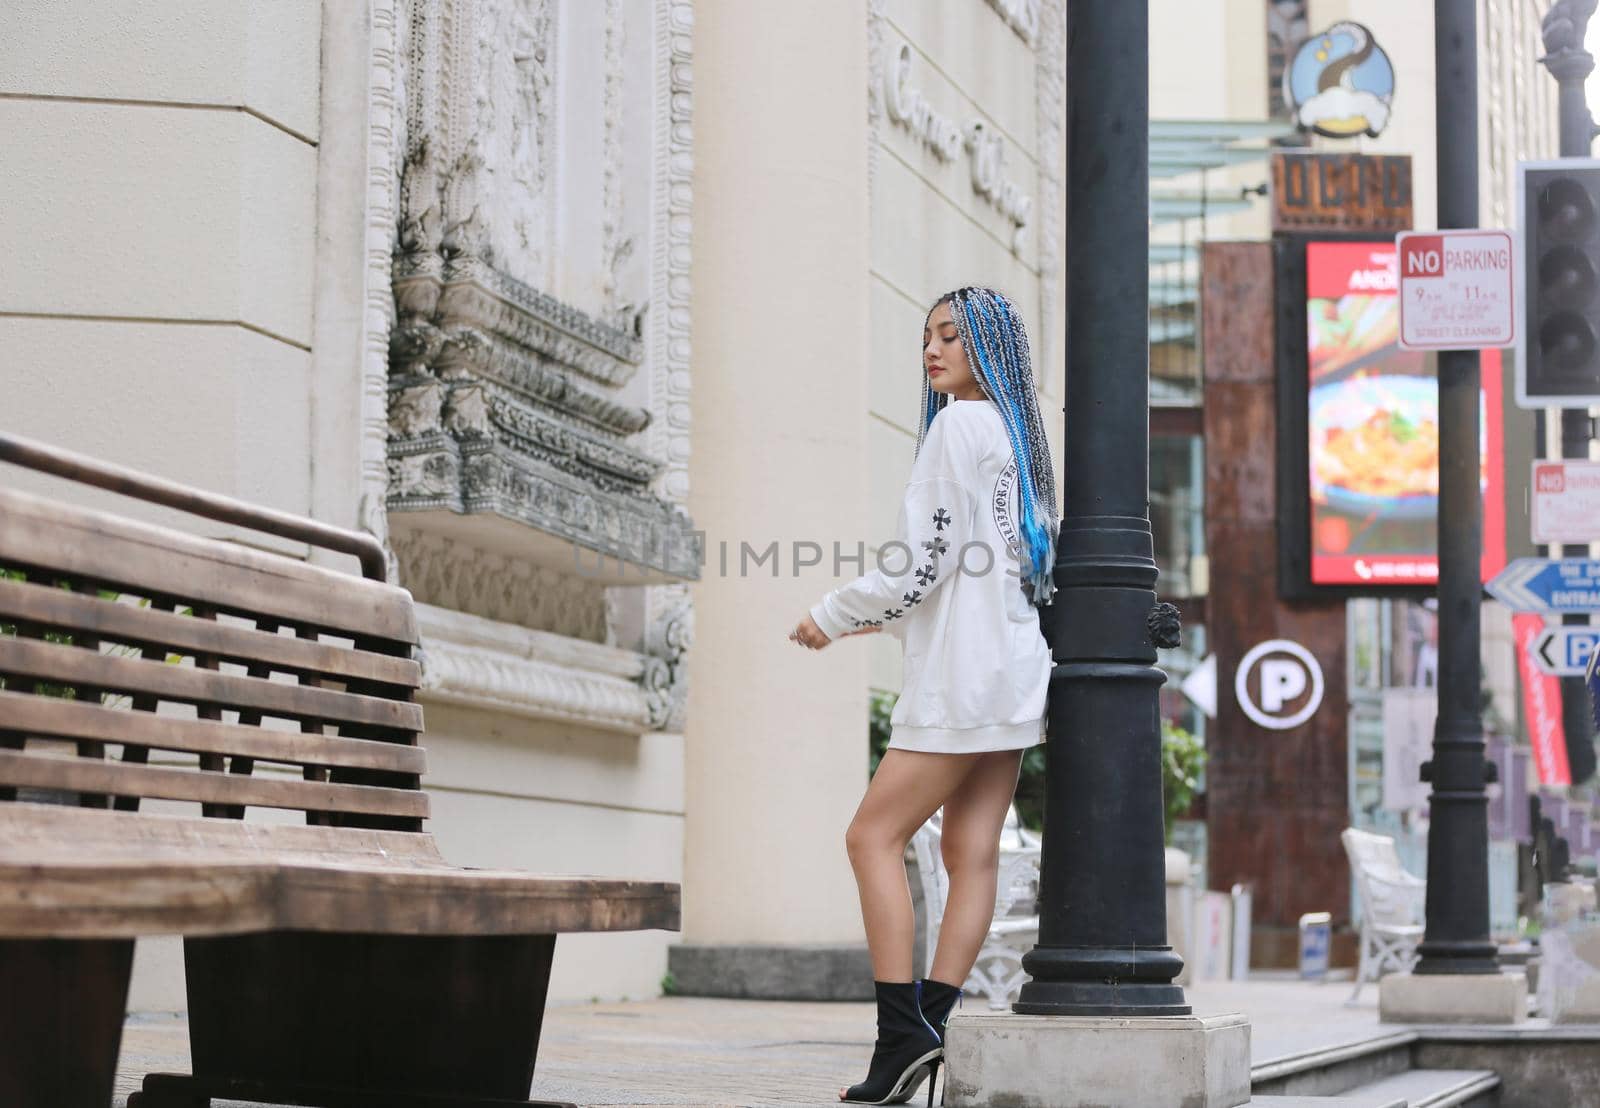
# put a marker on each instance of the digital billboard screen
(1373, 429)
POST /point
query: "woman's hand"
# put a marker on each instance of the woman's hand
(807, 633)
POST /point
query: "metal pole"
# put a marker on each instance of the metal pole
(1456, 938)
(1102, 926)
(1570, 64)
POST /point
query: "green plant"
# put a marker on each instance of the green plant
(1030, 789)
(669, 984)
(879, 708)
(70, 638)
(1183, 756)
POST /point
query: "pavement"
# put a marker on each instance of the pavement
(745, 1053)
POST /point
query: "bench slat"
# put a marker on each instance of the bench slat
(142, 626)
(75, 665)
(159, 783)
(91, 900)
(46, 834)
(70, 719)
(142, 558)
(83, 874)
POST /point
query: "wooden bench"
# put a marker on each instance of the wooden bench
(332, 956)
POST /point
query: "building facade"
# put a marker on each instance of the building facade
(419, 267)
(423, 267)
(852, 162)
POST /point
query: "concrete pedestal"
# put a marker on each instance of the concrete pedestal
(1569, 980)
(762, 972)
(1453, 998)
(1097, 1062)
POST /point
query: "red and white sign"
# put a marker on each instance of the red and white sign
(1456, 290)
(1541, 703)
(1566, 502)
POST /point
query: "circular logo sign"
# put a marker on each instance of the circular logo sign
(1340, 83)
(1288, 681)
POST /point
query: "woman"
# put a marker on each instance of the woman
(977, 546)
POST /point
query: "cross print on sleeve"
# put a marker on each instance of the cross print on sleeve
(936, 520)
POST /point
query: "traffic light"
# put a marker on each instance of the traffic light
(1558, 348)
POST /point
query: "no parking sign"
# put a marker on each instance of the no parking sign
(1456, 290)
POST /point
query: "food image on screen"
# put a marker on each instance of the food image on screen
(1373, 429)
(1376, 445)
(1351, 329)
(1387, 455)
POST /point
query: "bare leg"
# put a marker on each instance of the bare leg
(908, 788)
(970, 842)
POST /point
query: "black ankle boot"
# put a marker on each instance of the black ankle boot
(937, 1001)
(908, 1048)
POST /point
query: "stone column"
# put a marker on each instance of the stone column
(776, 737)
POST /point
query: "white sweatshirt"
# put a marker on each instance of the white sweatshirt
(976, 667)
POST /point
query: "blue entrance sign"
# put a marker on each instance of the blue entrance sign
(1549, 585)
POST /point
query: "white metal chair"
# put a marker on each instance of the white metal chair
(1392, 904)
(998, 972)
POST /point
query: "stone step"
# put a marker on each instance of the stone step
(1411, 1089)
(1334, 1071)
(1348, 1100)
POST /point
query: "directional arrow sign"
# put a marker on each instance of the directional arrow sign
(1565, 651)
(1201, 686)
(1549, 585)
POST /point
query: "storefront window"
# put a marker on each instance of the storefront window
(1177, 513)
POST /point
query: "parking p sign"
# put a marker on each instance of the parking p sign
(1456, 290)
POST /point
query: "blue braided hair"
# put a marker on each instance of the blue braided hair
(996, 345)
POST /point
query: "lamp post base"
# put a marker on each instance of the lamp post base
(1102, 981)
(1083, 998)
(1097, 1062)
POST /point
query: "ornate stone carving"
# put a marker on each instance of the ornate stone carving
(495, 383)
(500, 667)
(672, 222)
(414, 410)
(616, 243)
(385, 84)
(528, 135)
(451, 574)
(667, 644)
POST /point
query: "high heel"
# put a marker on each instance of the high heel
(933, 1080)
(936, 1002)
(908, 1048)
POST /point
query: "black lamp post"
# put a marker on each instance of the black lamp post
(1102, 926)
(1456, 938)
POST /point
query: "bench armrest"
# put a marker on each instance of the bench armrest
(32, 454)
